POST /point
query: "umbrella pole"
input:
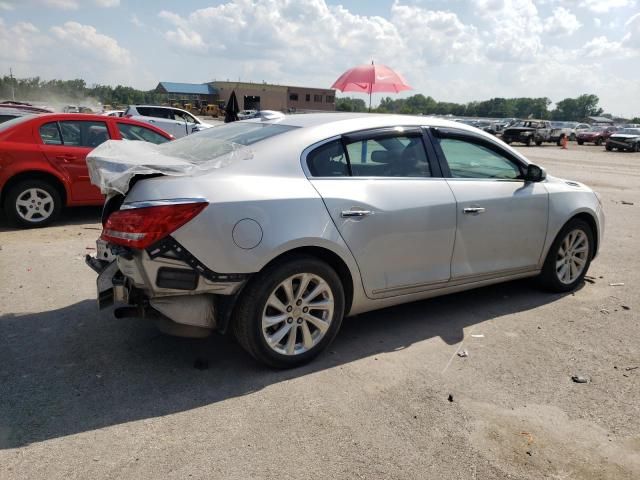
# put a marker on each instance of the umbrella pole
(370, 98)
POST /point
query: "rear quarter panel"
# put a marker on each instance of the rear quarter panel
(289, 211)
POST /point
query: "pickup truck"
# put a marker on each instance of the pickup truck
(532, 131)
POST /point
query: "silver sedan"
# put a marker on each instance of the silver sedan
(277, 229)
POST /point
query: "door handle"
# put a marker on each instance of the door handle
(473, 210)
(66, 158)
(355, 213)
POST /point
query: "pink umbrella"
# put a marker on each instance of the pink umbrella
(371, 78)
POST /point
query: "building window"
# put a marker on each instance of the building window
(307, 97)
(293, 97)
(330, 99)
(317, 98)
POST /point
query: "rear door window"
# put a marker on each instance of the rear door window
(328, 160)
(50, 134)
(79, 133)
(136, 132)
(155, 112)
(396, 156)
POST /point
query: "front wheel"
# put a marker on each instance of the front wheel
(569, 257)
(290, 312)
(580, 142)
(598, 141)
(32, 203)
(608, 147)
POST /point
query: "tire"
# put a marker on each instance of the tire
(636, 147)
(528, 142)
(598, 141)
(538, 142)
(32, 203)
(608, 147)
(559, 277)
(507, 141)
(251, 324)
(572, 137)
(580, 142)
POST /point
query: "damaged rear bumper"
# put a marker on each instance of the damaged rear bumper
(170, 287)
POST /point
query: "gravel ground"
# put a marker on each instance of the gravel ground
(83, 395)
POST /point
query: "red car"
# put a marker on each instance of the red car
(596, 134)
(43, 161)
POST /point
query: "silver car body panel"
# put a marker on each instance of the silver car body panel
(412, 246)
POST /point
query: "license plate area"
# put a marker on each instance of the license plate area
(103, 252)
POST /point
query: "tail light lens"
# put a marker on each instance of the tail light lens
(142, 227)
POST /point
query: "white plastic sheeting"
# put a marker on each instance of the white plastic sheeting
(113, 164)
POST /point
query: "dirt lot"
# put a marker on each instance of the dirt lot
(83, 395)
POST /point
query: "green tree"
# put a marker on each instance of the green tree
(577, 109)
(348, 104)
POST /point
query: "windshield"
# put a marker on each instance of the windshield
(13, 122)
(596, 129)
(217, 141)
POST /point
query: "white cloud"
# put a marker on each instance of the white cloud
(6, 6)
(514, 28)
(597, 22)
(603, 6)
(107, 3)
(61, 4)
(562, 22)
(632, 37)
(600, 47)
(17, 43)
(136, 21)
(86, 40)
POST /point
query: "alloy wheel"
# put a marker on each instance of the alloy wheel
(571, 258)
(297, 314)
(35, 205)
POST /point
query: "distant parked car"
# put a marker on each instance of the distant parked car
(172, 120)
(246, 114)
(43, 161)
(9, 113)
(531, 131)
(113, 113)
(596, 134)
(627, 139)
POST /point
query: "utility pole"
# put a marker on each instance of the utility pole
(13, 90)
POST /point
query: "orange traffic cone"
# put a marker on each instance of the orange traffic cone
(564, 142)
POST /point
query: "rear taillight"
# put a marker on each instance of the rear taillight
(142, 227)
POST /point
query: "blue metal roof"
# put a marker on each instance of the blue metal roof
(190, 88)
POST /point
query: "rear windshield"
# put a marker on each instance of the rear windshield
(216, 141)
(13, 122)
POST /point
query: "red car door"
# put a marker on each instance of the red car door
(66, 144)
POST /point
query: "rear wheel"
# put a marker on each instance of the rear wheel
(32, 203)
(569, 257)
(528, 142)
(598, 141)
(636, 147)
(580, 142)
(290, 312)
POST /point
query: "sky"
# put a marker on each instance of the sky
(456, 50)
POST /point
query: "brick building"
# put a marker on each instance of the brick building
(264, 96)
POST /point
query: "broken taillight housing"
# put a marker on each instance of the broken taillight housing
(142, 227)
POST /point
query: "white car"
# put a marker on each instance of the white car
(113, 113)
(172, 120)
(246, 114)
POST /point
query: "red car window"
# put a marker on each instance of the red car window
(137, 132)
(50, 134)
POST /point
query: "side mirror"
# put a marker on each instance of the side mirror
(535, 173)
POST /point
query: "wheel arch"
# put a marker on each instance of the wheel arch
(55, 181)
(591, 221)
(332, 259)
